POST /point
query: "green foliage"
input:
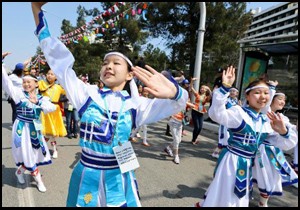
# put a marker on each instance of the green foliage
(177, 24)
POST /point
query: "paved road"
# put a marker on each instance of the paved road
(161, 182)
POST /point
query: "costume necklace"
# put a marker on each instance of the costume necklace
(110, 120)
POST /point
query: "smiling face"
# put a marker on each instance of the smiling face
(258, 97)
(203, 89)
(278, 103)
(29, 85)
(114, 72)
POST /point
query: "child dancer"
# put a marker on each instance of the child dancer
(53, 124)
(248, 128)
(271, 170)
(100, 178)
(29, 148)
(143, 92)
(223, 134)
(295, 158)
(176, 124)
(135, 134)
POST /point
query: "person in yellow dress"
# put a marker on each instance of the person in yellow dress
(53, 124)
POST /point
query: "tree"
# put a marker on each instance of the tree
(178, 22)
(156, 58)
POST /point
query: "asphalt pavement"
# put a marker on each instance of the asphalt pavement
(161, 182)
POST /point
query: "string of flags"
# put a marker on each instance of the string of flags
(37, 60)
(92, 29)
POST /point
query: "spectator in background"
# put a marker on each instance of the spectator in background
(141, 63)
(180, 78)
(72, 118)
(218, 79)
(199, 109)
(85, 78)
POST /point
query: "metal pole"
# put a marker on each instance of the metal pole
(201, 30)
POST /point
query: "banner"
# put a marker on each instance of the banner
(255, 67)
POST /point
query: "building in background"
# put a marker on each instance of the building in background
(270, 49)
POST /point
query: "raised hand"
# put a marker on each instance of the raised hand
(277, 122)
(156, 83)
(5, 54)
(26, 62)
(32, 97)
(38, 4)
(228, 76)
(273, 83)
(36, 8)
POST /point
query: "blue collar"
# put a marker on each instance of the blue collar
(254, 115)
(123, 93)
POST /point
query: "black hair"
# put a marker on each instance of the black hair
(18, 72)
(127, 85)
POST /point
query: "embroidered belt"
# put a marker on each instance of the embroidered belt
(98, 161)
(241, 152)
(25, 119)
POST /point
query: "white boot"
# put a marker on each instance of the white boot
(40, 184)
(263, 201)
(295, 185)
(20, 175)
(55, 154)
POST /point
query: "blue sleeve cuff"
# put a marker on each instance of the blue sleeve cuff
(179, 91)
(224, 89)
(42, 31)
(287, 135)
(272, 87)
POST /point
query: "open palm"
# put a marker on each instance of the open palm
(156, 83)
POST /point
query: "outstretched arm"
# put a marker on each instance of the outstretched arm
(192, 85)
(157, 84)
(36, 8)
(59, 58)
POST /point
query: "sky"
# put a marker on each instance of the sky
(18, 25)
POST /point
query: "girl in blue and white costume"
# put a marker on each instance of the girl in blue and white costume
(248, 128)
(273, 171)
(107, 117)
(223, 134)
(29, 148)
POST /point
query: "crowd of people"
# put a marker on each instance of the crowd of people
(129, 97)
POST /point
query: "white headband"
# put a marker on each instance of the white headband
(29, 77)
(254, 87)
(279, 94)
(233, 89)
(119, 54)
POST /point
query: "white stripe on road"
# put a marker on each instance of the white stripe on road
(25, 195)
